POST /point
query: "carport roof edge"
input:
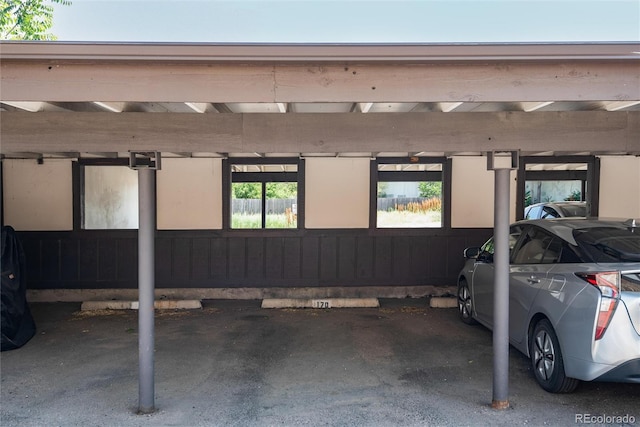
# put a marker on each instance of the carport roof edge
(382, 52)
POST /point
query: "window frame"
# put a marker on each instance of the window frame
(264, 178)
(590, 179)
(409, 176)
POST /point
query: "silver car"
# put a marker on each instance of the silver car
(550, 210)
(574, 298)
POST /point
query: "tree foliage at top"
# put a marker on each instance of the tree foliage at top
(27, 19)
(430, 189)
(282, 190)
(274, 190)
(247, 190)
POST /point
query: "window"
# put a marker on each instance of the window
(488, 249)
(609, 244)
(514, 235)
(533, 212)
(537, 247)
(264, 194)
(554, 190)
(558, 179)
(109, 197)
(409, 193)
(549, 212)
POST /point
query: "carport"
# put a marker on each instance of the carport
(335, 111)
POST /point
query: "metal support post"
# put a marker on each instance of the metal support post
(501, 291)
(146, 164)
(502, 163)
(146, 267)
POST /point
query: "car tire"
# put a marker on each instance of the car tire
(547, 361)
(465, 303)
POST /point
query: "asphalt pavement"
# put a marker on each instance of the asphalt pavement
(233, 363)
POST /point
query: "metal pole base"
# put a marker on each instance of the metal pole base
(145, 410)
(500, 404)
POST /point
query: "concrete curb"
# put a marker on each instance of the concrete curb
(80, 295)
(133, 305)
(443, 302)
(321, 303)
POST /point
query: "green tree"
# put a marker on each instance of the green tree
(382, 189)
(27, 19)
(274, 190)
(430, 189)
(282, 190)
(247, 190)
(575, 195)
(527, 198)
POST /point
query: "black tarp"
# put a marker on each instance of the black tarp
(17, 323)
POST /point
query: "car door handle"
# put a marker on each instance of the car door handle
(533, 280)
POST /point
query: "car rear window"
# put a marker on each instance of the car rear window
(610, 244)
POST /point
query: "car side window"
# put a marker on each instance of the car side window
(568, 254)
(534, 212)
(550, 213)
(514, 234)
(533, 248)
(488, 249)
(553, 251)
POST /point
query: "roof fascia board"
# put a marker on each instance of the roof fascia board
(232, 52)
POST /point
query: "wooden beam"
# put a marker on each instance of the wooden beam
(284, 83)
(107, 155)
(582, 131)
(24, 155)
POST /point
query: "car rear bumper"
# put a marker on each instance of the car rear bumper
(628, 372)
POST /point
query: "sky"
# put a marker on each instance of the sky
(348, 21)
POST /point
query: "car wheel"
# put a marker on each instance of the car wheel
(465, 303)
(546, 360)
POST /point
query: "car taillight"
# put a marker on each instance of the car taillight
(609, 285)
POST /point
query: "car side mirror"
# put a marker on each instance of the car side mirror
(472, 252)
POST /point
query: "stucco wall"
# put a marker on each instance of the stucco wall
(337, 193)
(472, 190)
(38, 197)
(619, 186)
(189, 194)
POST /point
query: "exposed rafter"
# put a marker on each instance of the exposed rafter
(198, 107)
(364, 107)
(222, 108)
(620, 105)
(114, 107)
(447, 107)
(533, 106)
(32, 107)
